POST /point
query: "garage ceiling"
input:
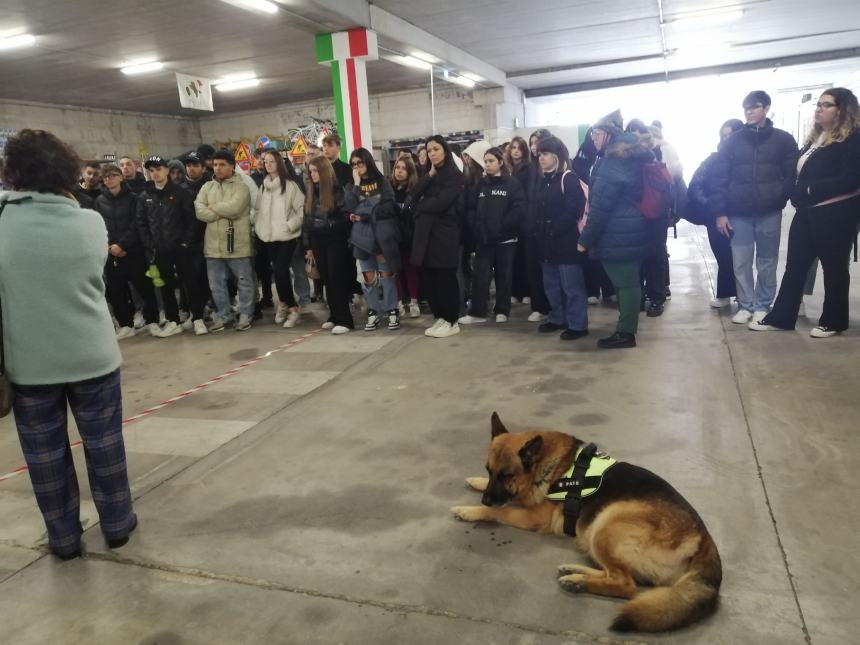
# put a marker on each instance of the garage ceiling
(537, 43)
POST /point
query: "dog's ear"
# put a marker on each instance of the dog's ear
(530, 452)
(496, 425)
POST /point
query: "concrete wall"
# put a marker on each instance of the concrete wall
(93, 132)
(394, 115)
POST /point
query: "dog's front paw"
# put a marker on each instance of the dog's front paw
(478, 483)
(567, 569)
(574, 583)
(468, 513)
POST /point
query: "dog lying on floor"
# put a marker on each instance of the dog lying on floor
(632, 523)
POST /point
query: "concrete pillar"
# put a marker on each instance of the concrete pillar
(346, 52)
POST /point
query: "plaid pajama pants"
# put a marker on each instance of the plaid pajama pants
(41, 418)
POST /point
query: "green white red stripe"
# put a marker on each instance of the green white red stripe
(346, 53)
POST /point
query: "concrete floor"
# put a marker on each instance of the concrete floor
(305, 499)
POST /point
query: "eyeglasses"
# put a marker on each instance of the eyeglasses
(356, 164)
(823, 105)
(750, 108)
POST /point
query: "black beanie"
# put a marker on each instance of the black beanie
(205, 151)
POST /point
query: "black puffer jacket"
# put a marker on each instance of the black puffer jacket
(318, 222)
(754, 172)
(165, 218)
(119, 212)
(698, 208)
(438, 205)
(831, 171)
(193, 187)
(557, 217)
(138, 184)
(499, 211)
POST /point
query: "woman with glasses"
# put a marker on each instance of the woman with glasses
(375, 237)
(827, 198)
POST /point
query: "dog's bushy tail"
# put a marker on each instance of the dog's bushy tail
(691, 598)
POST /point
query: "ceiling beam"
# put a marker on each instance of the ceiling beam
(674, 75)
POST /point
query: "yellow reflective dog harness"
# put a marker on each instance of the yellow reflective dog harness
(582, 480)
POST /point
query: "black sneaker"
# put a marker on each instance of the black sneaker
(655, 309)
(549, 327)
(617, 340)
(267, 303)
(394, 319)
(642, 304)
(258, 312)
(119, 542)
(573, 334)
(372, 321)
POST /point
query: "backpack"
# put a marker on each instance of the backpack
(582, 220)
(657, 191)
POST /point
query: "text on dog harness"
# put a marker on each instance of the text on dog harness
(581, 480)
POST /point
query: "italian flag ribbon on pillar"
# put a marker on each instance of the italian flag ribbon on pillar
(346, 53)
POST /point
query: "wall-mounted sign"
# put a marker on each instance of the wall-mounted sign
(243, 156)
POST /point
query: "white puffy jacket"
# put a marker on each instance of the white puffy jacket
(279, 215)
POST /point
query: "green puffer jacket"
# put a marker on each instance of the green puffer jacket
(615, 229)
(218, 204)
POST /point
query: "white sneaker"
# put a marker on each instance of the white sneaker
(170, 329)
(526, 301)
(139, 322)
(200, 327)
(162, 319)
(471, 320)
(756, 325)
(154, 330)
(759, 316)
(217, 323)
(187, 324)
(327, 325)
(124, 332)
(593, 300)
(432, 328)
(243, 323)
(446, 329)
(501, 318)
(401, 309)
(281, 314)
(802, 309)
(414, 310)
(742, 317)
(536, 316)
(337, 330)
(822, 332)
(291, 320)
(719, 303)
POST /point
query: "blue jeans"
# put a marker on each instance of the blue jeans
(564, 285)
(755, 237)
(220, 270)
(381, 294)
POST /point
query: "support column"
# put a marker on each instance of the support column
(346, 52)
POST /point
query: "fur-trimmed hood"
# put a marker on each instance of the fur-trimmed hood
(631, 145)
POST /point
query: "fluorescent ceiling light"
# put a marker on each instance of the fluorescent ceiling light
(20, 40)
(428, 58)
(458, 80)
(411, 61)
(235, 78)
(472, 77)
(707, 18)
(263, 6)
(232, 86)
(142, 68)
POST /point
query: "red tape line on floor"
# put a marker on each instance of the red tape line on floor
(187, 393)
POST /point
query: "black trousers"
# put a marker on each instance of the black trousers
(263, 267)
(182, 263)
(337, 272)
(721, 247)
(597, 283)
(520, 275)
(498, 257)
(443, 292)
(281, 255)
(119, 272)
(826, 232)
(535, 273)
(655, 265)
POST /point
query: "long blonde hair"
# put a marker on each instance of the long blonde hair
(326, 185)
(847, 121)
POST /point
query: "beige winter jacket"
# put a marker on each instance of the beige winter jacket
(279, 215)
(220, 203)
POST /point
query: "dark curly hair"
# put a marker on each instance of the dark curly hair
(38, 161)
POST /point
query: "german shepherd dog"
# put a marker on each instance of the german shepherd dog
(636, 527)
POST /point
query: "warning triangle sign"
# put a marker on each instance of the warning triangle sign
(243, 153)
(300, 147)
